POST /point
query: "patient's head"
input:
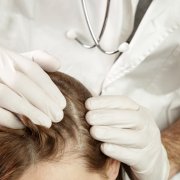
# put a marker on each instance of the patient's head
(66, 151)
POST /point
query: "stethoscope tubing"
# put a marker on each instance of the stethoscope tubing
(91, 31)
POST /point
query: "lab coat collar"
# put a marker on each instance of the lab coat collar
(161, 19)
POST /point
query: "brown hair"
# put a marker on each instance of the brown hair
(19, 149)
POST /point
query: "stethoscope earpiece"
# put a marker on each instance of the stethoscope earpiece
(71, 34)
(123, 47)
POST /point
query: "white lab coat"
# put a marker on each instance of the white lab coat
(148, 72)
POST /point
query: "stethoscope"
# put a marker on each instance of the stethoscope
(71, 34)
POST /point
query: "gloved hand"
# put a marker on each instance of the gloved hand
(130, 135)
(27, 90)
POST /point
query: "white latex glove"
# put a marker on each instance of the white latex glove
(130, 135)
(27, 90)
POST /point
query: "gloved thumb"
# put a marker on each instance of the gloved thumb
(43, 59)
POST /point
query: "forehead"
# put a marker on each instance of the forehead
(57, 171)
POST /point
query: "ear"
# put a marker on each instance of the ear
(112, 169)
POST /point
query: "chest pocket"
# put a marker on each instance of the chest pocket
(168, 77)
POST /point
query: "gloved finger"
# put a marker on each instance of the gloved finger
(43, 59)
(37, 75)
(121, 117)
(36, 96)
(107, 102)
(9, 120)
(14, 103)
(118, 136)
(129, 156)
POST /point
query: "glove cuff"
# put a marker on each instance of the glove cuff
(159, 169)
